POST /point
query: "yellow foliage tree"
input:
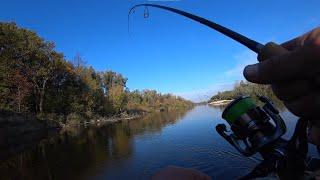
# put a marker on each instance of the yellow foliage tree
(117, 96)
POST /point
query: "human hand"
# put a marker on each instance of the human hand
(295, 77)
(177, 173)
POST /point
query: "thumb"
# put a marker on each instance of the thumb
(251, 73)
(269, 50)
(271, 70)
(287, 66)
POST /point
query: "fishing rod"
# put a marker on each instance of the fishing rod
(251, 44)
(257, 129)
(264, 51)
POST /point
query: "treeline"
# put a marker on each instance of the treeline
(36, 79)
(244, 88)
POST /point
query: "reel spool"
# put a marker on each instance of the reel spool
(253, 127)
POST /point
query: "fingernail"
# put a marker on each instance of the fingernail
(251, 73)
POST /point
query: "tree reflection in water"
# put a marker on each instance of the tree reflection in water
(81, 152)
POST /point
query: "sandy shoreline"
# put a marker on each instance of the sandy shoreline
(220, 102)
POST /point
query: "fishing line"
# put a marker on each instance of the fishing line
(133, 11)
(217, 151)
(251, 44)
(146, 12)
(254, 159)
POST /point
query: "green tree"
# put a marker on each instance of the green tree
(247, 89)
(26, 52)
(35, 78)
(111, 79)
(118, 98)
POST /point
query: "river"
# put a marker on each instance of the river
(136, 149)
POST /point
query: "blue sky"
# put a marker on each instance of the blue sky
(165, 52)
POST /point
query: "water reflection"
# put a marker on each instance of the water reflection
(79, 153)
(136, 149)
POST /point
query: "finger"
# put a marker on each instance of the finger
(301, 40)
(306, 106)
(292, 44)
(301, 63)
(310, 37)
(288, 91)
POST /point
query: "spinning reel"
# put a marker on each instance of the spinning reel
(259, 129)
(253, 126)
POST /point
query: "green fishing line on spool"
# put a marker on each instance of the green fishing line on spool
(238, 107)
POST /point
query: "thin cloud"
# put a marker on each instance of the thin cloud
(206, 94)
(242, 60)
(229, 77)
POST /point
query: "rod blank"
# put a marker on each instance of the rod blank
(251, 44)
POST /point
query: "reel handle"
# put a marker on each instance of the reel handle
(234, 141)
(221, 129)
(273, 112)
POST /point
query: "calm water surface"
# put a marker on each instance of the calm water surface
(136, 149)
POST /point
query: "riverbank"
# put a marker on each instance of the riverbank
(20, 132)
(101, 121)
(83, 151)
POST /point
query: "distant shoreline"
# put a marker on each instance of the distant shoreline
(220, 102)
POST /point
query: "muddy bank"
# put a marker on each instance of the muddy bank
(102, 121)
